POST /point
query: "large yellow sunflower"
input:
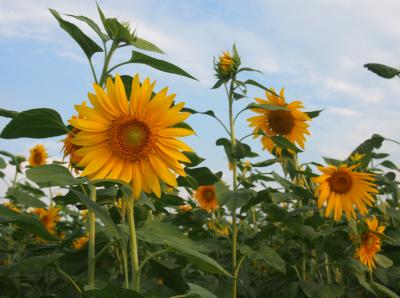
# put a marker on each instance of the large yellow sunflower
(49, 217)
(38, 156)
(370, 243)
(134, 141)
(206, 197)
(342, 188)
(291, 123)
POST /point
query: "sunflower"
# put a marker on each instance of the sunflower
(356, 157)
(342, 188)
(48, 218)
(38, 156)
(134, 141)
(80, 242)
(206, 197)
(370, 243)
(291, 123)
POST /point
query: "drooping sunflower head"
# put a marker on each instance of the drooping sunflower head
(80, 242)
(206, 197)
(48, 217)
(343, 189)
(185, 207)
(289, 122)
(38, 155)
(220, 229)
(370, 243)
(132, 140)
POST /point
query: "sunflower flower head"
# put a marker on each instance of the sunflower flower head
(206, 197)
(342, 189)
(38, 155)
(80, 242)
(48, 217)
(370, 243)
(133, 140)
(289, 122)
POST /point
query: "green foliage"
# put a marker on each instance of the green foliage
(382, 70)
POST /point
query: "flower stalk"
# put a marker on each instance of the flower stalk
(133, 243)
(92, 240)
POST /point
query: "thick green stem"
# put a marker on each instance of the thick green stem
(104, 72)
(234, 185)
(133, 243)
(92, 239)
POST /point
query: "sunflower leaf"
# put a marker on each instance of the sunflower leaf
(52, 175)
(158, 64)
(104, 37)
(382, 70)
(25, 222)
(8, 113)
(35, 123)
(266, 254)
(284, 143)
(143, 44)
(266, 106)
(88, 46)
(256, 84)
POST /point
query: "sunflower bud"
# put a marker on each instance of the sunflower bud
(227, 65)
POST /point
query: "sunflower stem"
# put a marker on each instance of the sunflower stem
(133, 243)
(92, 239)
(235, 272)
(104, 72)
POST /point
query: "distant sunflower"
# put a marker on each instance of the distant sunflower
(206, 197)
(80, 242)
(370, 243)
(342, 188)
(134, 141)
(291, 123)
(226, 62)
(38, 156)
(48, 218)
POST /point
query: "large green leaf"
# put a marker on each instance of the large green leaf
(85, 42)
(199, 291)
(383, 261)
(101, 214)
(202, 175)
(384, 290)
(25, 198)
(112, 291)
(104, 37)
(235, 199)
(315, 290)
(372, 143)
(8, 113)
(266, 107)
(35, 123)
(266, 254)
(199, 259)
(25, 222)
(160, 233)
(52, 175)
(143, 44)
(283, 142)
(382, 70)
(161, 65)
(36, 262)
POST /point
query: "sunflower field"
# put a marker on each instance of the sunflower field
(130, 211)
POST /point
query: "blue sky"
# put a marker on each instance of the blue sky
(315, 49)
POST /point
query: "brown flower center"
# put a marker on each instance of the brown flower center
(130, 138)
(340, 182)
(281, 122)
(37, 157)
(208, 195)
